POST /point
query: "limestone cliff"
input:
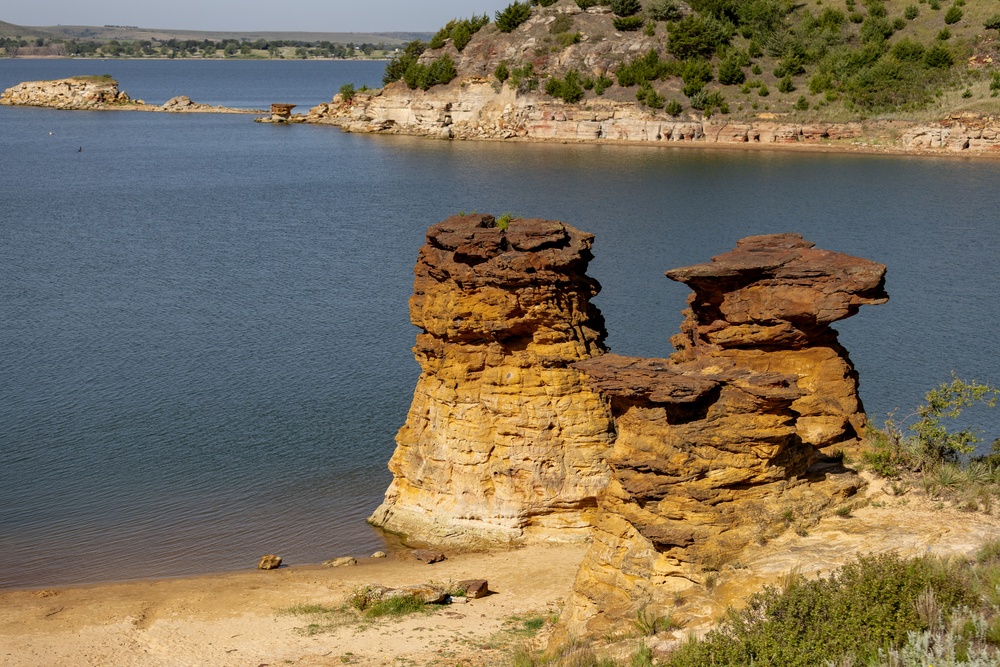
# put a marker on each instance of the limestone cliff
(717, 446)
(503, 441)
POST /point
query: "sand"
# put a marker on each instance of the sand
(242, 618)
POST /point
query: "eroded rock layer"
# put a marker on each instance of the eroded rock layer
(768, 305)
(503, 441)
(718, 446)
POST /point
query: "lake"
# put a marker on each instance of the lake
(205, 337)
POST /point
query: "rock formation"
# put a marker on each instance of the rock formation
(97, 93)
(503, 441)
(81, 92)
(716, 446)
(768, 306)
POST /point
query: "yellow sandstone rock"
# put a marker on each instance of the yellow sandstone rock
(503, 442)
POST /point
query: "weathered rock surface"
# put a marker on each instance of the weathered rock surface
(269, 562)
(97, 93)
(768, 306)
(503, 441)
(717, 446)
(85, 92)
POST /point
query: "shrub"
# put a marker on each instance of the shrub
(346, 92)
(523, 78)
(934, 4)
(876, 29)
(625, 7)
(569, 88)
(695, 36)
(601, 84)
(786, 85)
(855, 17)
(640, 70)
(562, 23)
(992, 23)
(512, 16)
(867, 606)
(911, 12)
(440, 71)
(938, 56)
(502, 72)
(543, 3)
(674, 108)
(397, 67)
(762, 91)
(628, 23)
(730, 72)
(953, 15)
(908, 50)
(801, 104)
(944, 35)
(461, 35)
(709, 102)
(586, 4)
(664, 10)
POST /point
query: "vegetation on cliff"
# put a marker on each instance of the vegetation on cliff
(830, 58)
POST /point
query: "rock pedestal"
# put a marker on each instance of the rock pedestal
(503, 441)
(768, 306)
(716, 446)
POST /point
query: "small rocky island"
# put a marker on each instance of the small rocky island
(98, 93)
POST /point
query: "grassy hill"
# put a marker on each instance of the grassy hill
(829, 59)
(11, 31)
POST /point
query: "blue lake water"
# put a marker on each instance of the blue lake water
(203, 320)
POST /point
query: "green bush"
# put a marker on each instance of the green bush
(944, 35)
(730, 72)
(938, 56)
(569, 89)
(461, 36)
(397, 67)
(786, 85)
(867, 606)
(709, 102)
(911, 12)
(664, 10)
(570, 38)
(696, 36)
(934, 4)
(674, 108)
(855, 17)
(648, 96)
(440, 71)
(953, 15)
(908, 50)
(601, 84)
(586, 4)
(347, 92)
(640, 70)
(523, 78)
(628, 23)
(801, 104)
(512, 16)
(992, 23)
(625, 7)
(543, 3)
(502, 71)
(562, 23)
(876, 29)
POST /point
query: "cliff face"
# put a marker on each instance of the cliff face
(717, 446)
(73, 93)
(503, 441)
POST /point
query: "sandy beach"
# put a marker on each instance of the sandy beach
(246, 618)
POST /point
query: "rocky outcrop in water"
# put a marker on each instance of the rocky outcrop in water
(82, 92)
(717, 446)
(97, 93)
(503, 441)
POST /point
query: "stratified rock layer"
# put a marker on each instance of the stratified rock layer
(503, 441)
(768, 306)
(717, 446)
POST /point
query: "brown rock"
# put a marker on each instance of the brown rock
(716, 446)
(343, 561)
(474, 588)
(429, 556)
(503, 441)
(426, 593)
(269, 562)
